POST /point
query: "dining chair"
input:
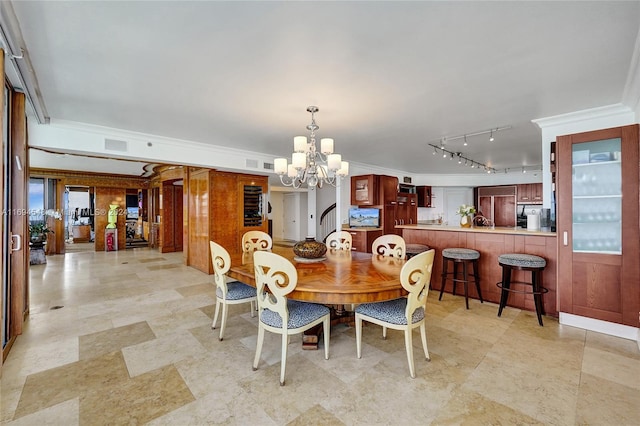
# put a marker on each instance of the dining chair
(256, 240)
(389, 245)
(339, 240)
(275, 278)
(228, 292)
(405, 313)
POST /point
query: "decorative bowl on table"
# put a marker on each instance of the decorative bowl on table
(309, 250)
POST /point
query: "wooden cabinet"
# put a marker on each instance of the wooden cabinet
(424, 196)
(597, 224)
(373, 190)
(251, 205)
(171, 212)
(498, 204)
(530, 193)
(217, 205)
(364, 190)
(362, 238)
(380, 190)
(81, 233)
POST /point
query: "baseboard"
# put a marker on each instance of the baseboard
(605, 327)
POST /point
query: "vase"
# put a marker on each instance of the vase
(465, 221)
(310, 249)
(112, 216)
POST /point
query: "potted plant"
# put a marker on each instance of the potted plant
(38, 232)
(465, 213)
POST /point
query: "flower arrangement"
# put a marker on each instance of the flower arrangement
(465, 210)
(38, 230)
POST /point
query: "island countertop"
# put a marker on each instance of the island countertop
(491, 243)
(484, 229)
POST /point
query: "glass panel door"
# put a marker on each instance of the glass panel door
(252, 206)
(597, 197)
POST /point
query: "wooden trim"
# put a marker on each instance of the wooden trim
(18, 299)
(71, 178)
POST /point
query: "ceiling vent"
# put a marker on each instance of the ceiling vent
(252, 163)
(268, 166)
(115, 145)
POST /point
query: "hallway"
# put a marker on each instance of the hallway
(125, 338)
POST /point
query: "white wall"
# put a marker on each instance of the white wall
(79, 200)
(277, 202)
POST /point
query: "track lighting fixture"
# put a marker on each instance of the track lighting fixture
(491, 137)
(446, 153)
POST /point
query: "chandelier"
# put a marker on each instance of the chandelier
(307, 164)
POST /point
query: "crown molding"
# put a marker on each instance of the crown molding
(584, 115)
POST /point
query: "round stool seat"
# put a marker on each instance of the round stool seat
(461, 254)
(413, 249)
(521, 260)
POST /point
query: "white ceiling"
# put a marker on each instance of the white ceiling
(388, 77)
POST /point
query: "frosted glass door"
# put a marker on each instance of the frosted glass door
(597, 197)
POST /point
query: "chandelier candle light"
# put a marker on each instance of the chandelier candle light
(307, 164)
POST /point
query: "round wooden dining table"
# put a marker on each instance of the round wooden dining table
(343, 277)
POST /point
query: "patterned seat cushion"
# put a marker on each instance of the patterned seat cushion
(460, 253)
(522, 260)
(300, 314)
(391, 311)
(237, 291)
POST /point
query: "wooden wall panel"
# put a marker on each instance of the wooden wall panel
(167, 223)
(223, 218)
(198, 208)
(103, 198)
(177, 217)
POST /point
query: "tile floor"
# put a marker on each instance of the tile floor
(133, 345)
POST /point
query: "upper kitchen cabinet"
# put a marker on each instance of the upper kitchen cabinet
(598, 232)
(364, 190)
(372, 190)
(424, 196)
(530, 193)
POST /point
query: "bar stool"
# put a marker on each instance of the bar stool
(523, 262)
(415, 249)
(461, 256)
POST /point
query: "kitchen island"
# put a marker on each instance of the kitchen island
(491, 242)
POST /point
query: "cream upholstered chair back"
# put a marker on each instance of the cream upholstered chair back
(221, 264)
(415, 277)
(256, 240)
(405, 313)
(228, 292)
(389, 245)
(339, 240)
(276, 277)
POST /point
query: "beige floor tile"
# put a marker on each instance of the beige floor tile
(66, 413)
(545, 394)
(602, 402)
(51, 387)
(135, 401)
(613, 367)
(316, 415)
(184, 318)
(160, 352)
(471, 408)
(103, 342)
(227, 406)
